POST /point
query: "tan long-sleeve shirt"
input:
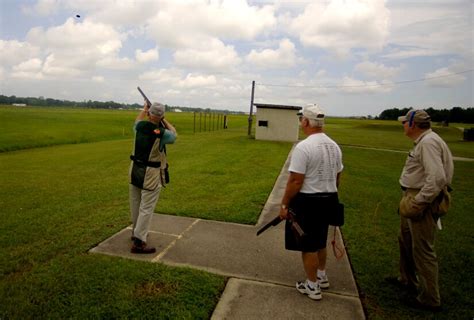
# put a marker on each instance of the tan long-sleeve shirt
(429, 167)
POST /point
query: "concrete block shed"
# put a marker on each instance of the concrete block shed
(276, 122)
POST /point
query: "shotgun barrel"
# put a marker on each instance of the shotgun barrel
(148, 102)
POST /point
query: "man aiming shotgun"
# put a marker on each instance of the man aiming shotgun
(148, 169)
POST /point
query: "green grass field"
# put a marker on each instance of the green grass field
(389, 135)
(64, 190)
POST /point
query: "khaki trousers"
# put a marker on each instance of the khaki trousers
(142, 206)
(418, 260)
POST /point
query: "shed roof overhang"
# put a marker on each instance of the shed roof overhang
(276, 106)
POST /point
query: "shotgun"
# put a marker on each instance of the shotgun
(148, 102)
(294, 225)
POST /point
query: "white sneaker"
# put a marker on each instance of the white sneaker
(313, 293)
(323, 282)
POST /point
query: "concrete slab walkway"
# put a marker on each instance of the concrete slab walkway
(262, 274)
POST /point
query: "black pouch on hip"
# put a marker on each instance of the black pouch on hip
(336, 218)
(167, 174)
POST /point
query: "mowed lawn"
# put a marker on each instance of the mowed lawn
(64, 196)
(59, 201)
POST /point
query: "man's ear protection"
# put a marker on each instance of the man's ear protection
(412, 116)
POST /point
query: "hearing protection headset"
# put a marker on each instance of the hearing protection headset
(412, 116)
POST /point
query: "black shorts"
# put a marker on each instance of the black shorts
(311, 211)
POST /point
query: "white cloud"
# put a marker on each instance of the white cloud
(54, 68)
(425, 29)
(13, 52)
(83, 38)
(212, 54)
(98, 79)
(168, 76)
(351, 85)
(146, 56)
(173, 78)
(115, 12)
(237, 20)
(342, 25)
(193, 81)
(74, 48)
(283, 57)
(411, 52)
(33, 65)
(183, 24)
(28, 69)
(42, 7)
(377, 70)
(444, 77)
(321, 73)
(116, 63)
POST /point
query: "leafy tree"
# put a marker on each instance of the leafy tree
(456, 114)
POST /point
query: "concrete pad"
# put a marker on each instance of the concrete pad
(172, 225)
(234, 250)
(244, 299)
(163, 233)
(120, 245)
(228, 249)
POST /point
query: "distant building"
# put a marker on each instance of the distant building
(19, 104)
(276, 122)
(177, 110)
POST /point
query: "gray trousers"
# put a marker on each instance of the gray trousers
(142, 206)
(418, 260)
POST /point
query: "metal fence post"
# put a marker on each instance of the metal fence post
(251, 108)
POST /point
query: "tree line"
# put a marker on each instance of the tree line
(48, 102)
(456, 114)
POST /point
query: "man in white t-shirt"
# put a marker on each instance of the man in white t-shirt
(311, 193)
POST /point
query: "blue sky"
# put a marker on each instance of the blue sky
(352, 57)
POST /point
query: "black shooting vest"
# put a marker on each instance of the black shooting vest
(148, 161)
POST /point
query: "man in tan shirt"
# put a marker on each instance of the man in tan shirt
(427, 171)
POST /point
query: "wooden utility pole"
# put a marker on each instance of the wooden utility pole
(251, 108)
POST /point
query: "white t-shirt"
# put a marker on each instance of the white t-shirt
(319, 158)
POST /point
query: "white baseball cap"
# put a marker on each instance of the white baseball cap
(312, 111)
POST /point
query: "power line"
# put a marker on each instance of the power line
(327, 86)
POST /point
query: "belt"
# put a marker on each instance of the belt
(147, 163)
(318, 194)
(409, 189)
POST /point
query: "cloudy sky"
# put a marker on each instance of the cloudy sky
(353, 57)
